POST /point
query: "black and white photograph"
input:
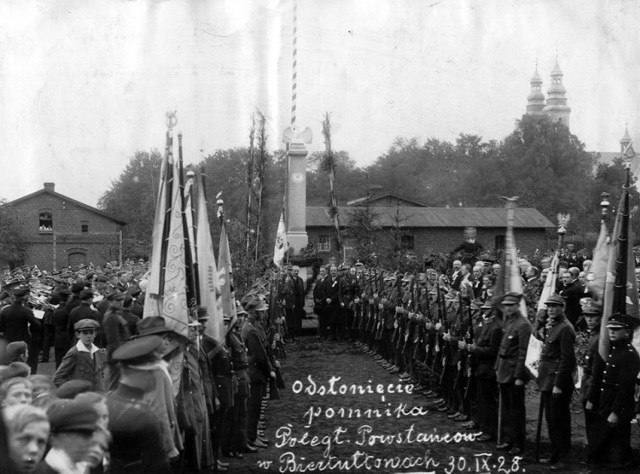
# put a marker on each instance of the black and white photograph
(298, 236)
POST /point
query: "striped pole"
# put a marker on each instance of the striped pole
(294, 69)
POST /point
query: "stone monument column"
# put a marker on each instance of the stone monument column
(296, 190)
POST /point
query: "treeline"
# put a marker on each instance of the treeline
(540, 161)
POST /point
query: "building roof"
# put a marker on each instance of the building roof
(48, 189)
(382, 197)
(318, 216)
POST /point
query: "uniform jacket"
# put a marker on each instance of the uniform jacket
(259, 363)
(486, 350)
(347, 290)
(558, 358)
(614, 381)
(589, 359)
(80, 364)
(14, 322)
(136, 431)
(513, 349)
(240, 363)
(221, 369)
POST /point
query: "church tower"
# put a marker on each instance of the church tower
(535, 100)
(625, 143)
(557, 109)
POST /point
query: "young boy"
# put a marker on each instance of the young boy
(84, 361)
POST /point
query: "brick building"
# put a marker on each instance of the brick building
(60, 231)
(431, 229)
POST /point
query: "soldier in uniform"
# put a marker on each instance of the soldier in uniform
(555, 380)
(611, 396)
(235, 441)
(260, 368)
(511, 374)
(137, 439)
(593, 317)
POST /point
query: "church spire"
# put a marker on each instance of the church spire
(535, 99)
(557, 108)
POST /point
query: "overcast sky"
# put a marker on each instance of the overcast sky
(83, 85)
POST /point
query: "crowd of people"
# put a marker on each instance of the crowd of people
(111, 405)
(464, 348)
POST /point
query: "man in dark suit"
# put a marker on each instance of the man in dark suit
(319, 303)
(85, 311)
(299, 292)
(572, 291)
(16, 321)
(555, 380)
(511, 374)
(332, 299)
(61, 338)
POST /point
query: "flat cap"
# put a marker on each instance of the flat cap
(86, 324)
(555, 300)
(71, 415)
(138, 351)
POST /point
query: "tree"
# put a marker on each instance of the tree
(132, 199)
(13, 244)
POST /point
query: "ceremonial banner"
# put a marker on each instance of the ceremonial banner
(166, 293)
(225, 276)
(598, 269)
(281, 246)
(549, 287)
(210, 295)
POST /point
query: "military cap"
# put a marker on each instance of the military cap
(590, 307)
(86, 294)
(63, 293)
(555, 300)
(71, 415)
(511, 298)
(476, 304)
(202, 314)
(226, 318)
(86, 323)
(139, 350)
(621, 320)
(486, 305)
(15, 369)
(71, 388)
(102, 278)
(134, 290)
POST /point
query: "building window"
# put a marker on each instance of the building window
(45, 223)
(84, 227)
(324, 243)
(499, 242)
(407, 242)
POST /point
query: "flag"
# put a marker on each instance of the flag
(281, 246)
(549, 287)
(225, 277)
(167, 288)
(166, 292)
(598, 269)
(210, 295)
(620, 291)
(510, 279)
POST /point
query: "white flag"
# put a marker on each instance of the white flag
(281, 246)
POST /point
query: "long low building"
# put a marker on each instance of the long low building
(426, 230)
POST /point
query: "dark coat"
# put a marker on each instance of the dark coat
(61, 339)
(572, 293)
(486, 349)
(513, 350)
(137, 440)
(558, 359)
(14, 322)
(332, 291)
(84, 311)
(221, 369)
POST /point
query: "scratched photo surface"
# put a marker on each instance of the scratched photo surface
(84, 86)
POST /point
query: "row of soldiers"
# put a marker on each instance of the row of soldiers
(467, 356)
(224, 384)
